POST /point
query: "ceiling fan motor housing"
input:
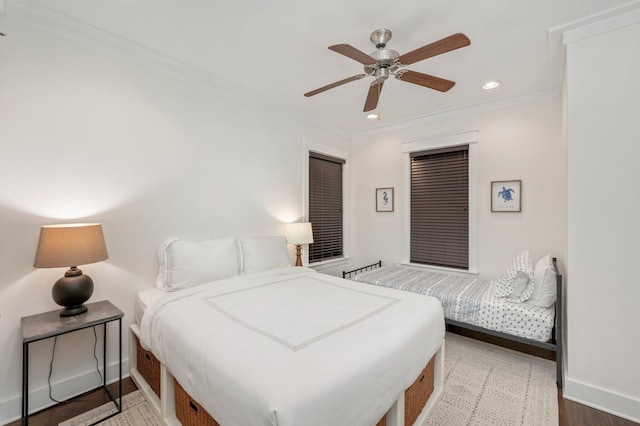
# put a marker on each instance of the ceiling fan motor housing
(385, 58)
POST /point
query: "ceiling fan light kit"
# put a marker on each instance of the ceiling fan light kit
(384, 62)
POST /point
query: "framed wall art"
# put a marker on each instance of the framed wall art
(384, 199)
(506, 196)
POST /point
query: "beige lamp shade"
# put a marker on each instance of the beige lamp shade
(70, 245)
(299, 233)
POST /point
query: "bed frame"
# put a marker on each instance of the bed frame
(554, 345)
(158, 386)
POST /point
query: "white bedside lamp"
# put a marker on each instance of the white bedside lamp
(298, 234)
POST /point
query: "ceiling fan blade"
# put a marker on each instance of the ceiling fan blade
(425, 80)
(353, 53)
(439, 47)
(372, 97)
(336, 84)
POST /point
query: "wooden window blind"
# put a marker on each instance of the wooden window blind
(325, 206)
(440, 207)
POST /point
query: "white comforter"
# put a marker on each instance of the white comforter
(294, 347)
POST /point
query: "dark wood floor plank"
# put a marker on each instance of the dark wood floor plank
(574, 414)
(570, 413)
(78, 405)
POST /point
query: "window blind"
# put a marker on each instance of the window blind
(325, 206)
(440, 207)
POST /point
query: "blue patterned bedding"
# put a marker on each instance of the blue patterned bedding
(468, 300)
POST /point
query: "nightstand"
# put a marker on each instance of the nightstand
(51, 324)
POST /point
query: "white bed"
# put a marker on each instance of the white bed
(523, 305)
(144, 299)
(290, 346)
(469, 300)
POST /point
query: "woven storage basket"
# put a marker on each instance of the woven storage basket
(149, 367)
(191, 413)
(416, 396)
(188, 411)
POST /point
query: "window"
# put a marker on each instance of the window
(439, 205)
(325, 206)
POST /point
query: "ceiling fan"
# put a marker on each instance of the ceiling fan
(385, 62)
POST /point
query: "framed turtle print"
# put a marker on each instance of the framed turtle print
(506, 196)
(384, 199)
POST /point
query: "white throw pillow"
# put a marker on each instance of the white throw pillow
(263, 253)
(522, 288)
(185, 264)
(544, 283)
(520, 263)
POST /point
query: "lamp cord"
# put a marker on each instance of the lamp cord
(95, 345)
(53, 353)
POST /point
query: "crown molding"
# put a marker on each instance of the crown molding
(66, 26)
(598, 23)
(62, 25)
(459, 112)
(609, 24)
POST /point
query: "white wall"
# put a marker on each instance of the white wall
(603, 94)
(88, 136)
(517, 142)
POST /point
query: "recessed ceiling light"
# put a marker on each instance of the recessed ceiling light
(490, 85)
(373, 116)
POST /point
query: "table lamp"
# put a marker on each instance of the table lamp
(71, 245)
(298, 234)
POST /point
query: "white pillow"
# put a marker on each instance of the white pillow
(522, 288)
(185, 264)
(544, 283)
(520, 263)
(263, 253)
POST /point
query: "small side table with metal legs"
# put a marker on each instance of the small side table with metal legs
(51, 324)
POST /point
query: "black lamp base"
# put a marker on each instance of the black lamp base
(71, 291)
(71, 311)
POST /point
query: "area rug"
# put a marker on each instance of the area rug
(484, 385)
(489, 385)
(136, 411)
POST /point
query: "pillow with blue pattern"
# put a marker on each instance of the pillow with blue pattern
(505, 283)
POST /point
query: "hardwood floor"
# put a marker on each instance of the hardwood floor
(78, 405)
(570, 413)
(574, 414)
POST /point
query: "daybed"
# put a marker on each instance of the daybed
(268, 344)
(519, 306)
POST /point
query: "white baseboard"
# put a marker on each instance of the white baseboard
(11, 409)
(601, 399)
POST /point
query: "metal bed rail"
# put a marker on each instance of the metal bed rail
(354, 272)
